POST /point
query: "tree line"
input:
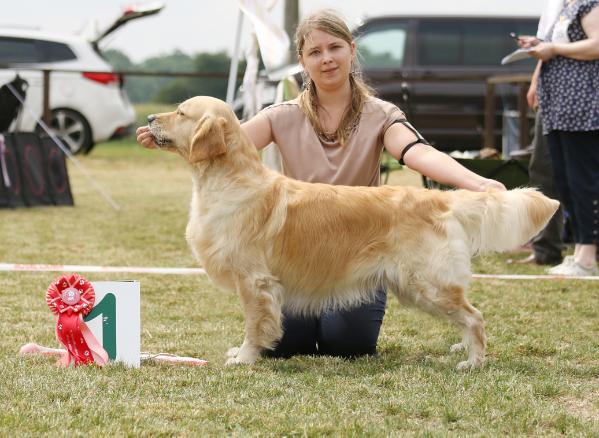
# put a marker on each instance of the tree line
(162, 89)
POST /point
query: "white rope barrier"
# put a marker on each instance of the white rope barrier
(88, 268)
(199, 271)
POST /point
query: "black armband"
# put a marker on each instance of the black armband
(419, 139)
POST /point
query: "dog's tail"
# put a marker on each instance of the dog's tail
(500, 221)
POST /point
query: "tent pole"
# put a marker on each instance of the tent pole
(234, 61)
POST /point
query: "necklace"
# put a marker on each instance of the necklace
(332, 137)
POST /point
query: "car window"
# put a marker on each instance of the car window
(484, 43)
(18, 50)
(25, 50)
(453, 43)
(54, 51)
(382, 47)
(438, 44)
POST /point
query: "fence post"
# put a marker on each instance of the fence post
(489, 140)
(523, 115)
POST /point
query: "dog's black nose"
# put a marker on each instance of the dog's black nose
(151, 118)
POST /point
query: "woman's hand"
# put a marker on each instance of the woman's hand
(490, 184)
(527, 41)
(543, 51)
(145, 137)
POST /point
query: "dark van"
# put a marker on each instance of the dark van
(434, 68)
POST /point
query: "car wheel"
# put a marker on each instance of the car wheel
(73, 129)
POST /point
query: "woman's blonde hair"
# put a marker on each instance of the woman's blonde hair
(330, 22)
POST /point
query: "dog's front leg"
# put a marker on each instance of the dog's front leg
(261, 298)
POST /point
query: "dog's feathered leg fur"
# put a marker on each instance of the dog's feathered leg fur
(261, 297)
(450, 302)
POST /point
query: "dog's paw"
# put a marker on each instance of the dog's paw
(469, 364)
(455, 348)
(238, 361)
(233, 351)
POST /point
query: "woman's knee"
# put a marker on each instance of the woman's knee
(352, 332)
(299, 337)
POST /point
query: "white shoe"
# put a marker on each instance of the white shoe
(574, 269)
(557, 270)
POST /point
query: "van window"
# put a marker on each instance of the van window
(439, 44)
(25, 50)
(455, 43)
(485, 43)
(383, 46)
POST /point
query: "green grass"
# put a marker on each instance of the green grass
(541, 376)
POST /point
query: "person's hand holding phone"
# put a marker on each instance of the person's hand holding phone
(525, 41)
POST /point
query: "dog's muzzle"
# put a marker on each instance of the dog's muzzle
(159, 137)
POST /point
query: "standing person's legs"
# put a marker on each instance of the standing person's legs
(547, 245)
(577, 179)
(560, 175)
(582, 149)
(353, 332)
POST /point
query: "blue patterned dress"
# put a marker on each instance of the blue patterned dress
(568, 89)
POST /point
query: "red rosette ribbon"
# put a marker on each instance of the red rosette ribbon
(72, 297)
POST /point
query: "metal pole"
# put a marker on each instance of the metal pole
(234, 61)
(523, 115)
(46, 101)
(291, 20)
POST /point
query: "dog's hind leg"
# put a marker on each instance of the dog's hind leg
(470, 320)
(450, 303)
(474, 340)
(261, 297)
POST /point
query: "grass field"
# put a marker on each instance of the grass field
(541, 377)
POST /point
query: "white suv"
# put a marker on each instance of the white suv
(87, 106)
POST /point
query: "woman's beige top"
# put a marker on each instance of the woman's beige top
(308, 157)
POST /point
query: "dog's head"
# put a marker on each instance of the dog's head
(198, 129)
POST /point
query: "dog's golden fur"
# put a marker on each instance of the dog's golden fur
(282, 243)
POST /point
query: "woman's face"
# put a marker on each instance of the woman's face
(327, 59)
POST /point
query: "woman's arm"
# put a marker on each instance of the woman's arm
(531, 95)
(258, 130)
(433, 163)
(584, 50)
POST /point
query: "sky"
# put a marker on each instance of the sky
(194, 26)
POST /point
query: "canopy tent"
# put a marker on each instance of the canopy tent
(270, 42)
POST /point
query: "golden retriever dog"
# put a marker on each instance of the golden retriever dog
(306, 248)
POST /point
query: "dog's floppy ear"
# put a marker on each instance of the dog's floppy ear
(208, 141)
